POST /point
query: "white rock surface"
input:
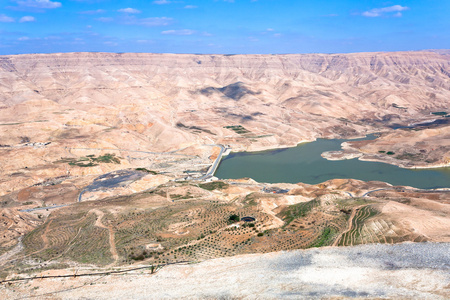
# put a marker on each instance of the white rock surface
(402, 271)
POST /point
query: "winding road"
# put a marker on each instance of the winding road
(112, 243)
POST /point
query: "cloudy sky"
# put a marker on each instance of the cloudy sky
(223, 26)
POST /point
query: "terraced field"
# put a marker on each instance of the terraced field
(192, 230)
(354, 235)
(369, 226)
(169, 225)
(186, 221)
(73, 237)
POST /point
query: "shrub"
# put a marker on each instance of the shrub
(216, 185)
(234, 218)
(439, 113)
(147, 171)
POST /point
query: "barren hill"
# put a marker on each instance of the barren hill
(288, 91)
(97, 152)
(164, 102)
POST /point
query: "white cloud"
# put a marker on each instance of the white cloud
(6, 19)
(160, 2)
(378, 12)
(179, 32)
(23, 38)
(27, 19)
(109, 43)
(129, 10)
(93, 12)
(163, 21)
(190, 6)
(52, 38)
(39, 3)
(104, 20)
(150, 22)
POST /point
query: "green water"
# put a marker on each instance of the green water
(304, 164)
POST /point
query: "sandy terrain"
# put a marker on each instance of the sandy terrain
(100, 103)
(104, 147)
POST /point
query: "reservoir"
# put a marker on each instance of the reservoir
(304, 164)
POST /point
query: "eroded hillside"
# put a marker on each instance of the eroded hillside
(99, 152)
(88, 103)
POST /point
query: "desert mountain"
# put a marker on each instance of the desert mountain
(98, 152)
(166, 102)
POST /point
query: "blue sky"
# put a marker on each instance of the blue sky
(219, 26)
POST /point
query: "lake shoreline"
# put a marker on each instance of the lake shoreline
(309, 163)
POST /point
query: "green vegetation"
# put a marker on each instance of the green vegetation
(136, 229)
(107, 158)
(250, 199)
(216, 185)
(8, 124)
(388, 152)
(326, 237)
(234, 218)
(109, 129)
(238, 129)
(147, 171)
(246, 133)
(140, 256)
(439, 113)
(181, 197)
(409, 156)
(396, 106)
(353, 237)
(155, 231)
(348, 204)
(90, 160)
(259, 136)
(73, 236)
(196, 129)
(299, 210)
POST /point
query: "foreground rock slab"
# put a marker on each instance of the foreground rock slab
(402, 271)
